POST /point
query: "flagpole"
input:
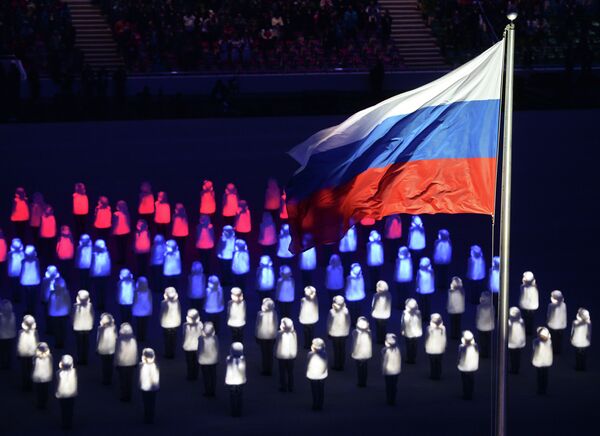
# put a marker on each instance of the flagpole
(500, 424)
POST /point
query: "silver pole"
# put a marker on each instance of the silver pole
(500, 423)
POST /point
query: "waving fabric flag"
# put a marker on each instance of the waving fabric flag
(426, 151)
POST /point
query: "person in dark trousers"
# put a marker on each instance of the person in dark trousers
(59, 307)
(455, 306)
(411, 329)
(529, 301)
(581, 337)
(192, 330)
(362, 349)
(316, 372)
(126, 355)
(542, 358)
(149, 382)
(468, 363)
(83, 323)
(236, 315)
(265, 333)
(27, 341)
(66, 390)
(381, 309)
(235, 377)
(309, 315)
(42, 374)
(170, 320)
(286, 350)
(338, 329)
(556, 320)
(8, 333)
(208, 357)
(435, 345)
(516, 339)
(391, 365)
(484, 320)
(106, 342)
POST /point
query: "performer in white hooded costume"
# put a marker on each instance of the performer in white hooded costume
(468, 363)
(309, 314)
(484, 320)
(542, 358)
(442, 257)
(106, 342)
(8, 333)
(435, 345)
(316, 372)
(42, 374)
(516, 339)
(142, 308)
(208, 357)
(27, 341)
(334, 275)
(338, 329)
(581, 337)
(59, 307)
(126, 355)
(192, 330)
(556, 320)
(529, 300)
(149, 382)
(476, 271)
(66, 390)
(286, 350)
(362, 349)
(235, 377)
(236, 315)
(285, 291)
(411, 329)
(391, 365)
(455, 306)
(265, 333)
(83, 323)
(403, 276)
(381, 309)
(170, 320)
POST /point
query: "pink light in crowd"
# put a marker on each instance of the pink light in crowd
(272, 195)
(205, 234)
(142, 237)
(243, 221)
(230, 200)
(162, 209)
(48, 223)
(20, 209)
(103, 215)
(121, 225)
(37, 208)
(283, 213)
(180, 222)
(208, 205)
(146, 202)
(65, 247)
(81, 204)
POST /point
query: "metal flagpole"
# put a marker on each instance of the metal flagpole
(500, 424)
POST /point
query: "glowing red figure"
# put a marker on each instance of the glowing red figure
(283, 213)
(393, 227)
(267, 234)
(121, 224)
(272, 195)
(205, 235)
(65, 247)
(103, 214)
(230, 201)
(81, 205)
(366, 221)
(36, 210)
(48, 223)
(180, 222)
(3, 247)
(162, 209)
(20, 208)
(142, 237)
(208, 205)
(243, 221)
(146, 203)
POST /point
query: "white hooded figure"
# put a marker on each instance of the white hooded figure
(83, 323)
(285, 291)
(27, 341)
(42, 374)
(455, 306)
(286, 350)
(8, 332)
(157, 251)
(48, 280)
(442, 248)
(309, 314)
(265, 276)
(196, 285)
(425, 278)
(581, 337)
(308, 258)
(59, 307)
(403, 272)
(494, 276)
(362, 348)
(125, 290)
(192, 330)
(334, 275)
(83, 253)
(516, 339)
(240, 265)
(391, 366)
(393, 227)
(101, 264)
(355, 284)
(208, 357)
(348, 243)
(411, 328)
(338, 329)
(556, 319)
(236, 314)
(126, 355)
(235, 376)
(142, 302)
(265, 332)
(170, 320)
(468, 363)
(484, 321)
(15, 257)
(149, 382)
(381, 309)
(214, 303)
(529, 300)
(435, 345)
(542, 357)
(416, 234)
(30, 268)
(285, 239)
(66, 389)
(267, 233)
(375, 255)
(106, 343)
(476, 271)
(172, 263)
(226, 244)
(316, 371)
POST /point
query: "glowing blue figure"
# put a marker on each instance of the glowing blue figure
(101, 264)
(142, 299)
(476, 264)
(349, 241)
(226, 244)
(15, 257)
(285, 291)
(59, 303)
(355, 284)
(285, 239)
(265, 276)
(308, 258)
(196, 282)
(172, 263)
(83, 254)
(157, 251)
(125, 288)
(30, 268)
(416, 234)
(50, 277)
(442, 249)
(404, 267)
(374, 249)
(334, 275)
(214, 302)
(425, 278)
(494, 278)
(241, 258)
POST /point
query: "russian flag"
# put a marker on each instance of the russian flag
(426, 151)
